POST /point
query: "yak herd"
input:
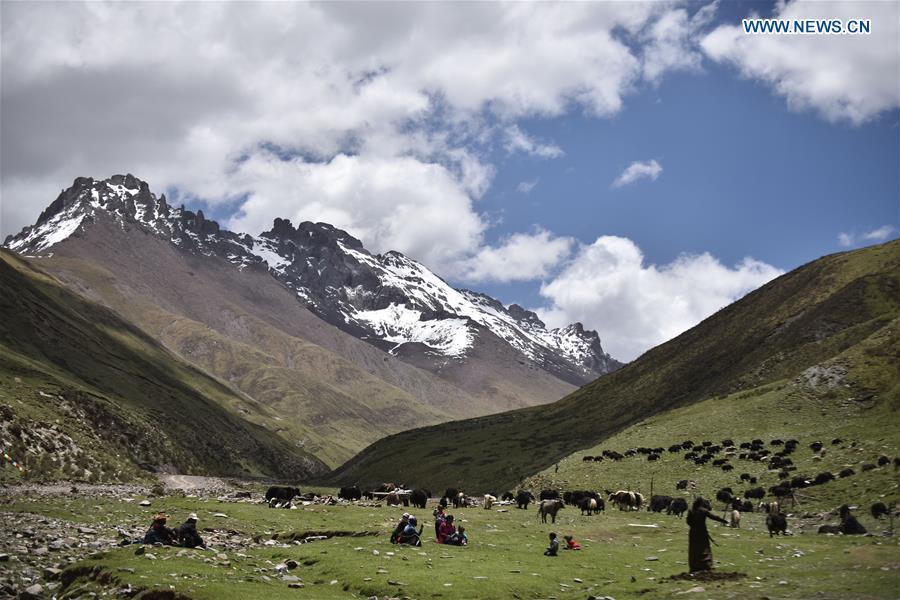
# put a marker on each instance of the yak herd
(723, 455)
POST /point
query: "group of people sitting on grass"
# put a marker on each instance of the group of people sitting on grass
(553, 550)
(186, 535)
(444, 530)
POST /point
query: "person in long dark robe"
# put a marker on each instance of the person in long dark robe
(699, 550)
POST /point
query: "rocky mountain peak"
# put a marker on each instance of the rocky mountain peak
(389, 300)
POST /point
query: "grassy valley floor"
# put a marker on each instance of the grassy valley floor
(625, 554)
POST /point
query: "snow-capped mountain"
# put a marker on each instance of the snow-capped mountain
(389, 300)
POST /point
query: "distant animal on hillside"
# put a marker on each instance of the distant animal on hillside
(681, 484)
(450, 494)
(386, 487)
(746, 506)
(350, 493)
(460, 500)
(776, 523)
(524, 498)
(867, 467)
(549, 507)
(745, 476)
(724, 495)
(507, 496)
(549, 495)
(489, 501)
(846, 472)
(823, 477)
(393, 499)
(883, 460)
(770, 507)
(677, 507)
(756, 493)
(419, 498)
(734, 519)
(282, 493)
(627, 500)
(816, 446)
(659, 503)
(879, 510)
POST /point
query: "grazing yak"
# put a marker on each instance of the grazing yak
(659, 503)
(393, 499)
(878, 510)
(524, 498)
(867, 467)
(419, 498)
(757, 493)
(678, 507)
(386, 487)
(849, 524)
(590, 505)
(489, 501)
(823, 477)
(281, 493)
(776, 523)
(549, 507)
(507, 496)
(627, 500)
(883, 460)
(846, 472)
(815, 446)
(549, 495)
(734, 519)
(350, 493)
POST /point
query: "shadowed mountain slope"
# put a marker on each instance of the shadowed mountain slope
(795, 322)
(88, 395)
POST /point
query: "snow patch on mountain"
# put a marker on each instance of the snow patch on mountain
(400, 325)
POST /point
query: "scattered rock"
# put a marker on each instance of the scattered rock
(144, 503)
(52, 573)
(140, 550)
(694, 590)
(295, 585)
(87, 530)
(32, 593)
(652, 558)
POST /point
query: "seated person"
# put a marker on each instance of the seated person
(159, 533)
(459, 538)
(410, 535)
(446, 529)
(395, 535)
(187, 533)
(571, 544)
(553, 550)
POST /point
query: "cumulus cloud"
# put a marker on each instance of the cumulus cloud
(521, 256)
(519, 141)
(609, 287)
(638, 170)
(265, 105)
(880, 234)
(845, 78)
(526, 186)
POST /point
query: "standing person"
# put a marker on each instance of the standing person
(159, 533)
(447, 529)
(556, 470)
(187, 533)
(553, 550)
(439, 518)
(699, 550)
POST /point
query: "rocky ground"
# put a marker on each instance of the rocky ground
(35, 549)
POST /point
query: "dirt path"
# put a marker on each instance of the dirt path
(194, 482)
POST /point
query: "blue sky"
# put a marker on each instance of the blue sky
(482, 139)
(742, 176)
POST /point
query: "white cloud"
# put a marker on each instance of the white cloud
(519, 141)
(608, 287)
(847, 77)
(526, 186)
(880, 234)
(205, 98)
(519, 257)
(397, 203)
(649, 169)
(671, 42)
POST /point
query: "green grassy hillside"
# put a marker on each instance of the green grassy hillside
(834, 307)
(86, 395)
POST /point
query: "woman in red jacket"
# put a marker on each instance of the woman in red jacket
(446, 529)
